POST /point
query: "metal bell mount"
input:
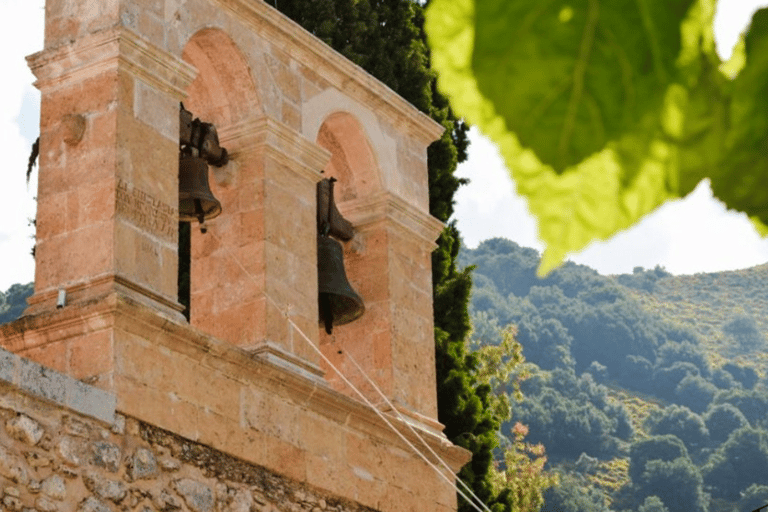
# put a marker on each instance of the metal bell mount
(338, 302)
(198, 147)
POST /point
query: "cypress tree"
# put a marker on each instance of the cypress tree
(386, 38)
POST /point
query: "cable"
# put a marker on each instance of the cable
(413, 430)
(357, 391)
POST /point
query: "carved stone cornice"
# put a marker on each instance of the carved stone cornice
(266, 136)
(386, 206)
(335, 68)
(117, 47)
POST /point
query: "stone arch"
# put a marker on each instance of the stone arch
(224, 91)
(353, 161)
(225, 94)
(351, 123)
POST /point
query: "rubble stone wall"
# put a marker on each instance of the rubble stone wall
(53, 459)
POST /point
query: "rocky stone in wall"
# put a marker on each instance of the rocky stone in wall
(53, 460)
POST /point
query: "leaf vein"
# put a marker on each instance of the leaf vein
(579, 71)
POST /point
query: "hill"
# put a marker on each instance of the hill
(707, 303)
(648, 390)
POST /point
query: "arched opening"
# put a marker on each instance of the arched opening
(354, 166)
(220, 293)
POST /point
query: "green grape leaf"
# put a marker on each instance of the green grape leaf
(740, 179)
(570, 76)
(637, 156)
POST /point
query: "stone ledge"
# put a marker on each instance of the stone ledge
(106, 50)
(365, 212)
(52, 386)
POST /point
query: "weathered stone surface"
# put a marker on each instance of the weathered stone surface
(91, 504)
(118, 427)
(12, 503)
(242, 502)
(143, 464)
(166, 502)
(12, 468)
(36, 460)
(76, 427)
(198, 496)
(106, 455)
(25, 429)
(70, 450)
(45, 505)
(169, 464)
(105, 488)
(55, 487)
(34, 486)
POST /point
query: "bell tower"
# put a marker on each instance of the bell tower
(138, 96)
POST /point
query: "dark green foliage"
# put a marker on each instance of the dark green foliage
(723, 379)
(636, 373)
(578, 322)
(677, 483)
(574, 494)
(745, 331)
(666, 448)
(14, 301)
(568, 417)
(682, 423)
(738, 463)
(695, 392)
(673, 352)
(666, 380)
(721, 420)
(598, 372)
(744, 375)
(546, 342)
(652, 504)
(619, 413)
(753, 404)
(754, 497)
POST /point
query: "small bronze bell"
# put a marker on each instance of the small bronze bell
(196, 201)
(339, 303)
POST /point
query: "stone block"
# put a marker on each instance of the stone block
(8, 366)
(90, 355)
(91, 401)
(42, 381)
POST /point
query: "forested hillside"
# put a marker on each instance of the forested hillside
(648, 390)
(14, 301)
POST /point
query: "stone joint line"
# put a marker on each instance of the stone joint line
(40, 381)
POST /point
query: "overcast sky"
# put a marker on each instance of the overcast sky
(694, 235)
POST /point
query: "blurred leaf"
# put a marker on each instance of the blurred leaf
(598, 130)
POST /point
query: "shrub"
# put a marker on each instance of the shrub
(666, 447)
(721, 420)
(695, 392)
(682, 423)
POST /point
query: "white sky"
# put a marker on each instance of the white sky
(694, 235)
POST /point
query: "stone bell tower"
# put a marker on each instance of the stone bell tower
(249, 374)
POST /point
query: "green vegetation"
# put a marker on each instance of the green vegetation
(14, 301)
(605, 110)
(624, 395)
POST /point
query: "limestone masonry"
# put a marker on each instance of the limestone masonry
(109, 398)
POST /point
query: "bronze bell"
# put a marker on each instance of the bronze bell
(339, 303)
(196, 201)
